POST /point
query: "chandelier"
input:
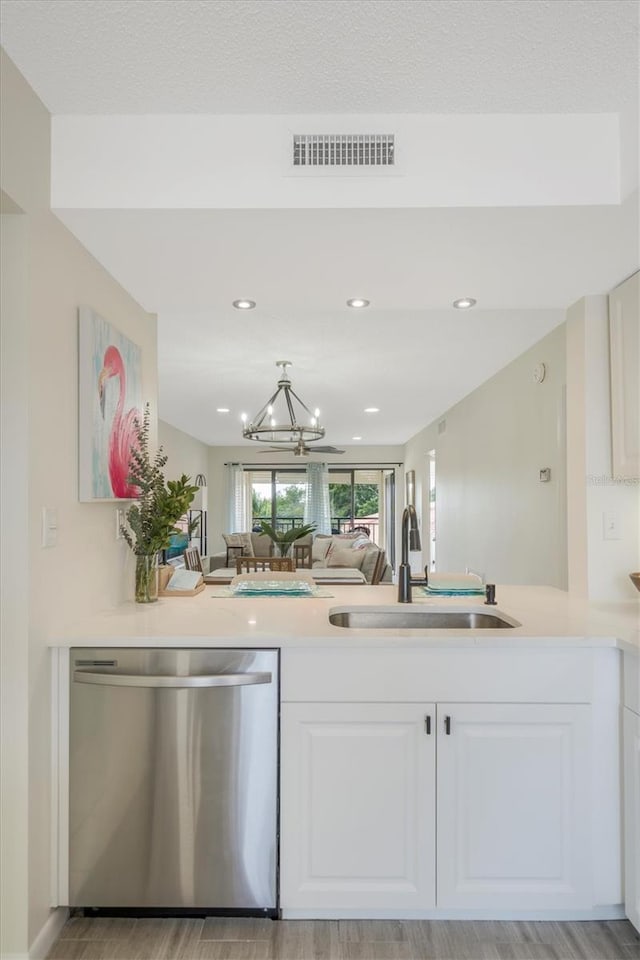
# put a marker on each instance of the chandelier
(284, 417)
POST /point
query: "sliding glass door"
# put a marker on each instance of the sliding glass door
(359, 498)
(278, 497)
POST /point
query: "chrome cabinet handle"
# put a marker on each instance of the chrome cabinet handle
(140, 680)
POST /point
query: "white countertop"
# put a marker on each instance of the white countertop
(548, 617)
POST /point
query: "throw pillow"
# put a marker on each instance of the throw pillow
(341, 555)
(369, 558)
(320, 548)
(239, 540)
(262, 545)
(361, 541)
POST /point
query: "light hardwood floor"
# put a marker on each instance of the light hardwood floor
(231, 939)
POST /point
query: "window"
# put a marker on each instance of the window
(355, 500)
(278, 497)
(358, 498)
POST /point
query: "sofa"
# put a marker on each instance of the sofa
(331, 552)
(353, 550)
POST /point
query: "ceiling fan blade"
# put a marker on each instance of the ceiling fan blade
(270, 450)
(301, 450)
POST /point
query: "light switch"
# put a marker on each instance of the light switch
(49, 527)
(610, 526)
(120, 518)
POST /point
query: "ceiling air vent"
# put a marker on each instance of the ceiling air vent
(343, 150)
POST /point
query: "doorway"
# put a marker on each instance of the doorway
(432, 509)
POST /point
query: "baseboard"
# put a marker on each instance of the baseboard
(48, 935)
(614, 912)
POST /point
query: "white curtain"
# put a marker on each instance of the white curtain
(316, 507)
(238, 519)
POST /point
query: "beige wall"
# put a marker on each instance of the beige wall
(14, 566)
(185, 453)
(598, 568)
(89, 568)
(493, 514)
(190, 456)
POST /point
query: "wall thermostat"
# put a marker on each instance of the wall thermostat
(539, 372)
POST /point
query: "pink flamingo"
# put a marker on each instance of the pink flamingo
(123, 434)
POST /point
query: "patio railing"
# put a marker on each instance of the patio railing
(338, 524)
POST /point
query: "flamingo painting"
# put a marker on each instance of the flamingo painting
(122, 435)
(110, 400)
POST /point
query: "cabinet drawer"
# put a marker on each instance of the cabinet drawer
(464, 674)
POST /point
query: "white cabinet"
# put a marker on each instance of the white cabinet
(631, 775)
(511, 809)
(624, 331)
(358, 807)
(513, 806)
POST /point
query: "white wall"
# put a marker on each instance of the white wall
(88, 569)
(493, 513)
(598, 568)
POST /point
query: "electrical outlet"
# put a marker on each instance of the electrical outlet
(610, 526)
(120, 519)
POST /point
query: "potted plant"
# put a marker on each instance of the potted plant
(284, 539)
(193, 530)
(152, 519)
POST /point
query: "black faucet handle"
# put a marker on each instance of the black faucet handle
(490, 593)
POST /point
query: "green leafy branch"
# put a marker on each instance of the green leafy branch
(284, 538)
(160, 503)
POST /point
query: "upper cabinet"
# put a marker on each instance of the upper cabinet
(624, 332)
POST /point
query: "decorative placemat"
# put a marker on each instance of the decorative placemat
(226, 593)
(274, 587)
(435, 592)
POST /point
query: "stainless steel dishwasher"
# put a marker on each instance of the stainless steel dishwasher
(174, 779)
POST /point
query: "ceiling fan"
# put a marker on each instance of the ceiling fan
(302, 450)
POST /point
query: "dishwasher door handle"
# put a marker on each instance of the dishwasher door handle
(142, 680)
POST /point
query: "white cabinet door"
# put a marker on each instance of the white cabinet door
(357, 807)
(632, 816)
(513, 806)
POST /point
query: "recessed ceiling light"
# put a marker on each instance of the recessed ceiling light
(358, 302)
(244, 304)
(222, 409)
(464, 304)
(372, 409)
(356, 438)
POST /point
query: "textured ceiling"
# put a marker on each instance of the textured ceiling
(325, 56)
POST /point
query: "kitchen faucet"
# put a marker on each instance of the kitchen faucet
(410, 540)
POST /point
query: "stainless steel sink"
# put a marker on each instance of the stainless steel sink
(419, 618)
